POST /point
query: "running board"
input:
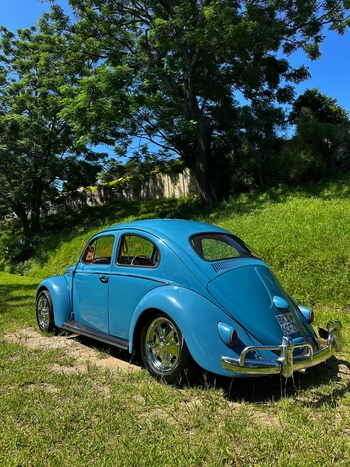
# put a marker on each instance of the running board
(81, 329)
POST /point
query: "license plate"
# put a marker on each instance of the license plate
(287, 323)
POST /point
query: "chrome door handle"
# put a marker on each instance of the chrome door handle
(104, 279)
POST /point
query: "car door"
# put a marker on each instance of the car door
(136, 272)
(91, 283)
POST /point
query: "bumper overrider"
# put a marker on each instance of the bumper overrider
(286, 363)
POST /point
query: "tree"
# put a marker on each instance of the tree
(320, 143)
(174, 71)
(263, 124)
(79, 173)
(39, 75)
(323, 108)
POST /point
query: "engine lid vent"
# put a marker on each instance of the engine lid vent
(223, 265)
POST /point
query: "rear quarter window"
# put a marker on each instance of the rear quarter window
(216, 247)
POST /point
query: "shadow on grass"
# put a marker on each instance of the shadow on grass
(113, 213)
(300, 386)
(16, 295)
(258, 389)
(17, 307)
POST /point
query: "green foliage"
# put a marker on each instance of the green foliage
(323, 108)
(320, 145)
(113, 170)
(165, 75)
(40, 74)
(20, 250)
(79, 173)
(160, 72)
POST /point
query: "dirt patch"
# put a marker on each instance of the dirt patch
(83, 353)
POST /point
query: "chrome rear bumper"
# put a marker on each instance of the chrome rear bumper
(286, 363)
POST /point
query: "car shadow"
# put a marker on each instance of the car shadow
(255, 389)
(334, 373)
(105, 348)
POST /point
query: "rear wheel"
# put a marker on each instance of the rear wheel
(163, 349)
(44, 312)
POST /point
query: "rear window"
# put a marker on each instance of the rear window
(216, 247)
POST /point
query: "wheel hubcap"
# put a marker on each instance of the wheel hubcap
(43, 312)
(162, 345)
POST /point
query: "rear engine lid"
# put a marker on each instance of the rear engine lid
(254, 298)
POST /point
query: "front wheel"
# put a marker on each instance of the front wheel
(163, 349)
(44, 312)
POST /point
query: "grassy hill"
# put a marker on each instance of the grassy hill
(304, 235)
(52, 416)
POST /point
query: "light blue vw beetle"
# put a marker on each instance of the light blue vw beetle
(184, 292)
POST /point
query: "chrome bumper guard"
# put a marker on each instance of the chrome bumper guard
(286, 364)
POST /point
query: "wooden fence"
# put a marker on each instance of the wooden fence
(158, 186)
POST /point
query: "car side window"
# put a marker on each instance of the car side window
(135, 250)
(99, 251)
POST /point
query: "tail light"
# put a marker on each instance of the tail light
(228, 334)
(307, 313)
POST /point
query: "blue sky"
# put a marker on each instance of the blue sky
(331, 74)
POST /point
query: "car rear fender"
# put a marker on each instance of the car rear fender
(59, 291)
(197, 318)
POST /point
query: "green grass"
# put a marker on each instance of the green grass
(17, 304)
(99, 418)
(54, 417)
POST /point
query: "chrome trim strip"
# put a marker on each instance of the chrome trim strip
(285, 364)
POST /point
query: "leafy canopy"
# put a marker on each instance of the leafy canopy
(39, 75)
(175, 72)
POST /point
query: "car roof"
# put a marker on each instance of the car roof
(168, 227)
(175, 233)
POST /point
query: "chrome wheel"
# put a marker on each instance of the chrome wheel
(163, 349)
(162, 345)
(44, 311)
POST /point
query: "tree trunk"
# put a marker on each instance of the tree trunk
(202, 173)
(202, 166)
(35, 222)
(22, 215)
(36, 204)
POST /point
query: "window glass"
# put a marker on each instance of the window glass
(215, 247)
(99, 251)
(137, 251)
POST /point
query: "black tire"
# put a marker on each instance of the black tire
(164, 351)
(44, 312)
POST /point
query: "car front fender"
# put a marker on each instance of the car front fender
(59, 291)
(198, 320)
